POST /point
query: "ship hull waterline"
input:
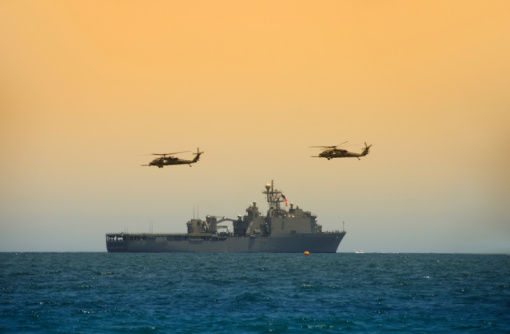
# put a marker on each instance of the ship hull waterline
(172, 243)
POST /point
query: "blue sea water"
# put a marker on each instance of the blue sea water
(254, 293)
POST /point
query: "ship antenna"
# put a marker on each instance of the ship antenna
(273, 196)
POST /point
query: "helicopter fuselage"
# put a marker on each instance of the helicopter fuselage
(168, 161)
(332, 152)
(335, 153)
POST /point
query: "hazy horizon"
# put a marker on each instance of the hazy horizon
(88, 89)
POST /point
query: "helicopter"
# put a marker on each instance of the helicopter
(332, 152)
(167, 159)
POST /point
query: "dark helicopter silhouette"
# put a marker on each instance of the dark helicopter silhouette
(167, 159)
(332, 152)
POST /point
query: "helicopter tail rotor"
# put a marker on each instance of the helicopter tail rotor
(366, 150)
(198, 152)
(197, 155)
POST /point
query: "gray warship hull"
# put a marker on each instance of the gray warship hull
(279, 231)
(174, 243)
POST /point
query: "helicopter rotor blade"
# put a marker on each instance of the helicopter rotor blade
(168, 153)
(332, 146)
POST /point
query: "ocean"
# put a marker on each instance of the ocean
(254, 293)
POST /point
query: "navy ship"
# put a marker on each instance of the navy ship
(279, 231)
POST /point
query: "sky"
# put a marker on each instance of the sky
(88, 89)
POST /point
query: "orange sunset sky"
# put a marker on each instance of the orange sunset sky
(87, 88)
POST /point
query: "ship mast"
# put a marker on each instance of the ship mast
(273, 197)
